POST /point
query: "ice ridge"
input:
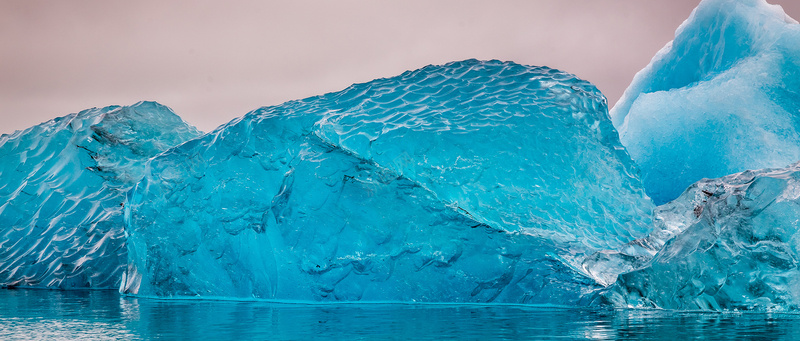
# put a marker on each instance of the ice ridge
(721, 98)
(62, 187)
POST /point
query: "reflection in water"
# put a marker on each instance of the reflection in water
(54, 315)
(61, 315)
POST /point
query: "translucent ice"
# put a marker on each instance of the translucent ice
(469, 182)
(731, 243)
(723, 97)
(62, 184)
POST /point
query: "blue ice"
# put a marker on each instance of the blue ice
(725, 244)
(62, 187)
(475, 181)
(723, 97)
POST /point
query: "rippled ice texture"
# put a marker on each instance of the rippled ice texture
(62, 184)
(469, 182)
(728, 243)
(723, 97)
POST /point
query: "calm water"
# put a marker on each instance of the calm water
(54, 315)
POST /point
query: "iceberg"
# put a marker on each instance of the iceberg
(721, 98)
(469, 182)
(62, 187)
(729, 244)
(474, 181)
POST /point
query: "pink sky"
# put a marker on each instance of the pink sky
(213, 61)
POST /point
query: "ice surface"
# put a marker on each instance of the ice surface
(722, 98)
(731, 243)
(475, 181)
(469, 182)
(62, 184)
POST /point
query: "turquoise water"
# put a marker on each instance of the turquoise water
(98, 315)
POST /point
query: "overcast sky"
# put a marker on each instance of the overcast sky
(212, 61)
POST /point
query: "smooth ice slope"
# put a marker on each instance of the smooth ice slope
(62, 184)
(469, 182)
(735, 244)
(723, 97)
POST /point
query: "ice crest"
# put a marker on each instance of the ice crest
(722, 98)
(62, 187)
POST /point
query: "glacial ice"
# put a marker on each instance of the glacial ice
(62, 184)
(723, 97)
(474, 181)
(728, 244)
(469, 182)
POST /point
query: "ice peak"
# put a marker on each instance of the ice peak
(719, 99)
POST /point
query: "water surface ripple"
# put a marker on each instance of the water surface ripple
(104, 315)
